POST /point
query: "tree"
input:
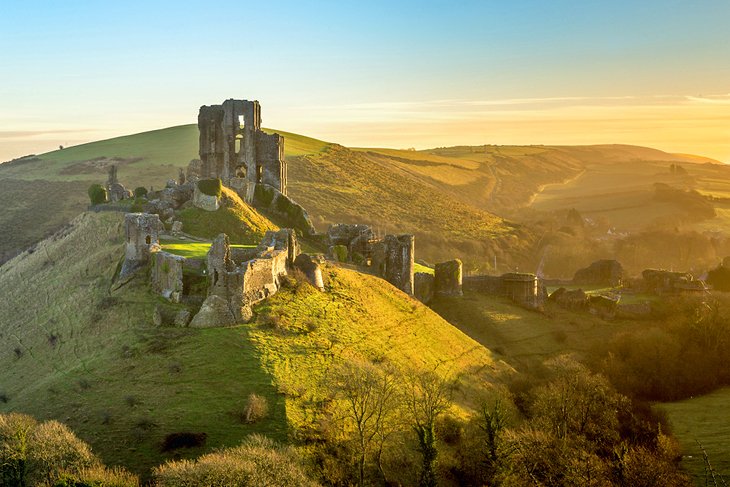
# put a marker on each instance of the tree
(33, 453)
(371, 403)
(574, 402)
(97, 194)
(428, 398)
(494, 419)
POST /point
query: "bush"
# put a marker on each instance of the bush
(97, 194)
(339, 252)
(257, 407)
(140, 192)
(97, 476)
(33, 453)
(257, 462)
(211, 187)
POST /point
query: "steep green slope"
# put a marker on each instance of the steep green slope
(75, 349)
(243, 224)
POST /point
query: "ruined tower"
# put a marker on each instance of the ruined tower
(233, 146)
(393, 258)
(142, 238)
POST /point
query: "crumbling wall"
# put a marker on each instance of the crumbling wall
(141, 237)
(116, 190)
(448, 278)
(232, 145)
(311, 269)
(399, 261)
(236, 285)
(271, 200)
(423, 284)
(167, 275)
(261, 277)
(524, 289)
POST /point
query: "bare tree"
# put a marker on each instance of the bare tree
(371, 403)
(429, 396)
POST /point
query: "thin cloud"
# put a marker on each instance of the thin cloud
(19, 134)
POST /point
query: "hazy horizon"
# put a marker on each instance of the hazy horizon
(416, 74)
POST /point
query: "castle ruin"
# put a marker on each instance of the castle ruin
(234, 149)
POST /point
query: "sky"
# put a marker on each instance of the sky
(373, 74)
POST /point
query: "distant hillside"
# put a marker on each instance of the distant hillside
(335, 184)
(74, 349)
(450, 198)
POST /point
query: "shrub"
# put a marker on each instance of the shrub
(257, 462)
(257, 407)
(137, 205)
(339, 252)
(33, 453)
(97, 194)
(211, 187)
(140, 192)
(97, 476)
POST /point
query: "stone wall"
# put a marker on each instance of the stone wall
(166, 275)
(423, 284)
(523, 289)
(399, 261)
(141, 238)
(236, 285)
(448, 278)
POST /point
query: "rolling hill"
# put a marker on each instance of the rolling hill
(75, 348)
(479, 203)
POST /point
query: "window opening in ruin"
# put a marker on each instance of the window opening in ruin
(259, 173)
(215, 277)
(241, 122)
(148, 239)
(238, 145)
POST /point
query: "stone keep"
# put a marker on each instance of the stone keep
(141, 238)
(233, 146)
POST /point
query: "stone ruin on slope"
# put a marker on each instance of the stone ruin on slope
(142, 238)
(390, 257)
(114, 189)
(237, 278)
(234, 149)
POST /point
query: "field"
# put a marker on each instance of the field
(704, 420)
(522, 337)
(622, 193)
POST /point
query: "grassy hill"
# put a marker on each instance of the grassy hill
(448, 197)
(617, 184)
(76, 349)
(704, 420)
(523, 337)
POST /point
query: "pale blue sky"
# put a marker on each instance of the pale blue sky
(399, 74)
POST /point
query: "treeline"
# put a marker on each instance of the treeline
(561, 425)
(685, 355)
